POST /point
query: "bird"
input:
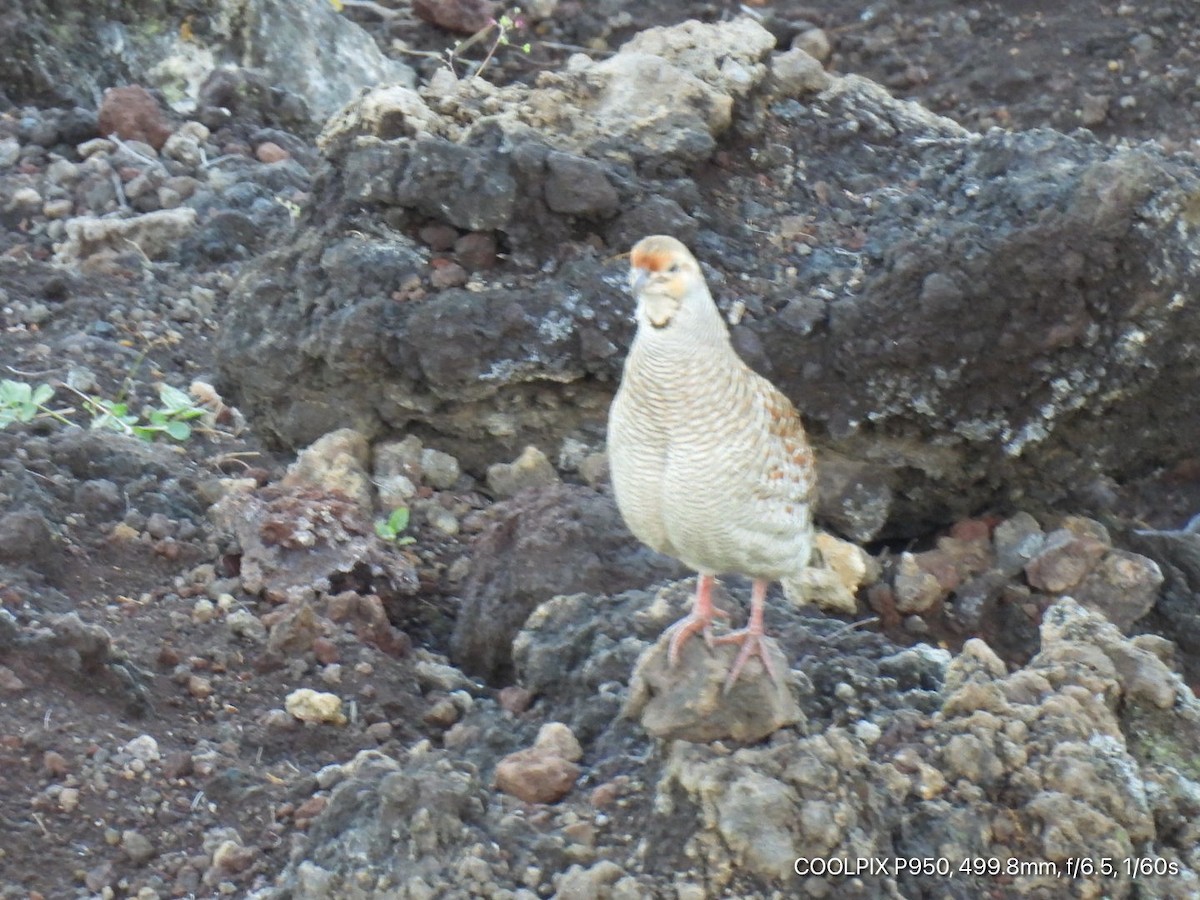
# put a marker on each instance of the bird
(709, 461)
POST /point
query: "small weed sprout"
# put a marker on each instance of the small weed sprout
(391, 528)
(110, 415)
(497, 31)
(503, 26)
(22, 402)
(293, 208)
(170, 419)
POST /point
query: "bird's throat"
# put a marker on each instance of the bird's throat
(659, 310)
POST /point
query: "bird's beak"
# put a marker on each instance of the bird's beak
(637, 280)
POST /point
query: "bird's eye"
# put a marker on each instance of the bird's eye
(674, 268)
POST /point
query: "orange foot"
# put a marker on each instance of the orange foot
(688, 626)
(700, 619)
(753, 644)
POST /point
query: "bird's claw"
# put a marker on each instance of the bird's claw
(688, 626)
(753, 644)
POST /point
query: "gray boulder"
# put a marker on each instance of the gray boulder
(964, 319)
(310, 56)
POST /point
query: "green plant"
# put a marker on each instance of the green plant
(391, 528)
(502, 27)
(110, 415)
(293, 209)
(497, 31)
(21, 402)
(176, 411)
(170, 419)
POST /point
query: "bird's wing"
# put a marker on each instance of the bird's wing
(788, 467)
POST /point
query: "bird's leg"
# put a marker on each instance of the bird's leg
(750, 637)
(699, 619)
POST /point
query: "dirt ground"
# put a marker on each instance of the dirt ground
(79, 812)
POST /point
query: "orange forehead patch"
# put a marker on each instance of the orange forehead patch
(650, 259)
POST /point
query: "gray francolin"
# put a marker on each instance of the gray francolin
(710, 463)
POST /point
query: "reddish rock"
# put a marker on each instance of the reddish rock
(178, 764)
(447, 274)
(366, 613)
(476, 251)
(311, 808)
(54, 763)
(608, 793)
(133, 114)
(440, 238)
(270, 152)
(973, 530)
(968, 554)
(1124, 586)
(325, 651)
(882, 599)
(1063, 561)
(945, 566)
(515, 699)
(536, 775)
(462, 16)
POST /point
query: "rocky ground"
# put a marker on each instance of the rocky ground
(220, 675)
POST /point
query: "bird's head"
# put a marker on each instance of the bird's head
(669, 287)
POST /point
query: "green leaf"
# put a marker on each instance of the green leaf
(16, 392)
(146, 434)
(157, 417)
(43, 393)
(113, 416)
(389, 529)
(181, 431)
(173, 398)
(398, 520)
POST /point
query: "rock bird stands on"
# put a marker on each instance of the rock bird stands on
(710, 463)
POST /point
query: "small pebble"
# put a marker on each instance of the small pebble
(379, 731)
(137, 847)
(447, 275)
(515, 699)
(199, 687)
(441, 470)
(270, 152)
(315, 707)
(68, 799)
(442, 519)
(57, 209)
(54, 763)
